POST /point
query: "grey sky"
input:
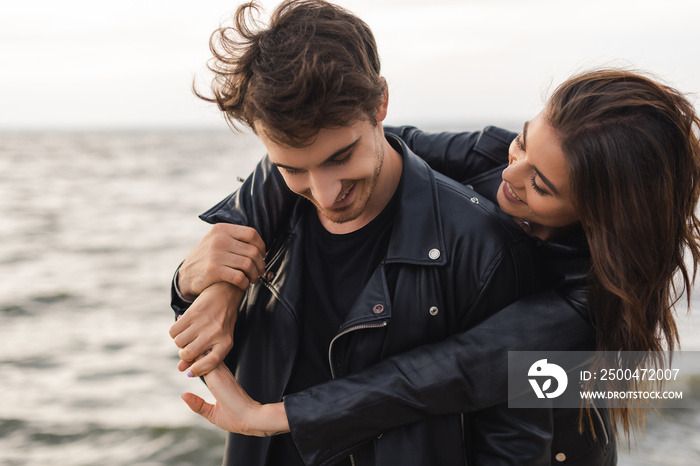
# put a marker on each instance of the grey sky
(87, 64)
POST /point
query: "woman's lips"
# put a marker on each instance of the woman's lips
(510, 194)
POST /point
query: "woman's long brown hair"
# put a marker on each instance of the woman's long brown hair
(633, 152)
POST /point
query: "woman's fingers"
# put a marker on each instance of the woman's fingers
(184, 365)
(225, 249)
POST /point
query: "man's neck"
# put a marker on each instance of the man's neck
(387, 183)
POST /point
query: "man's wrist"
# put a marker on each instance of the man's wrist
(178, 302)
(275, 419)
(189, 299)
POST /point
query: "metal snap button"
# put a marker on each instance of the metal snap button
(433, 311)
(561, 457)
(475, 200)
(378, 309)
(434, 254)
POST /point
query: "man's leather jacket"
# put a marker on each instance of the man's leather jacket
(453, 260)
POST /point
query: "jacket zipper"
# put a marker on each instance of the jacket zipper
(330, 352)
(345, 332)
(602, 425)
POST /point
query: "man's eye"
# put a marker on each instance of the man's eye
(342, 161)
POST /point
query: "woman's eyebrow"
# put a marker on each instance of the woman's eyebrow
(549, 184)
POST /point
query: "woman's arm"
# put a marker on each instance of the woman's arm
(465, 373)
(250, 219)
(464, 156)
(263, 203)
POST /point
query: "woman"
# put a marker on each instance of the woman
(607, 176)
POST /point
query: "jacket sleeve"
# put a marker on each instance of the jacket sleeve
(262, 202)
(460, 156)
(464, 373)
(177, 302)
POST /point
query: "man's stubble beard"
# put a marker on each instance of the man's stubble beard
(340, 219)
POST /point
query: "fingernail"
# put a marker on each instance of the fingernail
(190, 374)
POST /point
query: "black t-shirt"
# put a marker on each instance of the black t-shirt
(336, 269)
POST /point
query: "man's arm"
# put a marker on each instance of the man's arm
(232, 252)
(234, 249)
(234, 410)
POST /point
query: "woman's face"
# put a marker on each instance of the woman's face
(536, 185)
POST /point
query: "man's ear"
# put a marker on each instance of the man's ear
(384, 104)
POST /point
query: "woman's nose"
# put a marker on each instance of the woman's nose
(512, 157)
(516, 169)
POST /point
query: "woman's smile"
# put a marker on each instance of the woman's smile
(510, 194)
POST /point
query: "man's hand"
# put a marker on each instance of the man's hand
(234, 410)
(204, 333)
(228, 253)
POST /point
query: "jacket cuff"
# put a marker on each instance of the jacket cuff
(307, 432)
(177, 302)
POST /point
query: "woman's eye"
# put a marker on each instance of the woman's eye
(519, 142)
(537, 189)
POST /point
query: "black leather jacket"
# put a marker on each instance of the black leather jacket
(443, 273)
(419, 389)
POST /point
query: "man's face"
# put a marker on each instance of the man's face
(338, 171)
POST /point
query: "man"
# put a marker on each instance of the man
(378, 253)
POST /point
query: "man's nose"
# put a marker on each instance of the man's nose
(324, 189)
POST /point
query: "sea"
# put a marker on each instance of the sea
(93, 225)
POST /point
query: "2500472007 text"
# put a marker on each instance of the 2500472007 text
(637, 374)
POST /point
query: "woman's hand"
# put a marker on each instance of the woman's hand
(228, 253)
(234, 410)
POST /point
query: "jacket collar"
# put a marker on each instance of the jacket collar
(417, 234)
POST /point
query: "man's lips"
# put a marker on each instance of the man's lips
(344, 197)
